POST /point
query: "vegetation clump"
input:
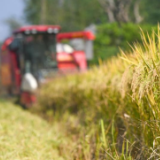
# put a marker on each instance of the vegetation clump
(27, 137)
(112, 111)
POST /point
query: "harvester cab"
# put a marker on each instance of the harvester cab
(28, 57)
(35, 47)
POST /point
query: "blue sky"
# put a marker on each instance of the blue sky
(9, 8)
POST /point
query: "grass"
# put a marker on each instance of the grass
(27, 137)
(116, 106)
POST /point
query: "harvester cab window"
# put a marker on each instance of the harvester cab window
(40, 53)
(14, 46)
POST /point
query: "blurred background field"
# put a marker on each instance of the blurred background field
(110, 112)
(117, 22)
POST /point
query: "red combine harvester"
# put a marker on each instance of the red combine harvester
(35, 54)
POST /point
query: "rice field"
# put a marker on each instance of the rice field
(111, 111)
(108, 113)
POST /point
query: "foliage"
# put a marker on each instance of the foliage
(77, 14)
(70, 15)
(13, 23)
(150, 11)
(122, 11)
(26, 137)
(113, 36)
(122, 94)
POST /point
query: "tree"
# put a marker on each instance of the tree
(137, 16)
(13, 23)
(119, 10)
(43, 11)
(70, 14)
(151, 11)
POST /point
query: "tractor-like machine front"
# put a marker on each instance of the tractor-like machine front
(35, 54)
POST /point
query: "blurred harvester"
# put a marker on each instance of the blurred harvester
(36, 54)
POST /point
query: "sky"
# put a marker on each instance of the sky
(9, 8)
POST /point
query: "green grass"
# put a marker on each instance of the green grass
(27, 137)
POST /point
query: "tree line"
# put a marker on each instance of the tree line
(77, 14)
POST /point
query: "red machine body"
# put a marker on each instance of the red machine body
(77, 58)
(19, 51)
